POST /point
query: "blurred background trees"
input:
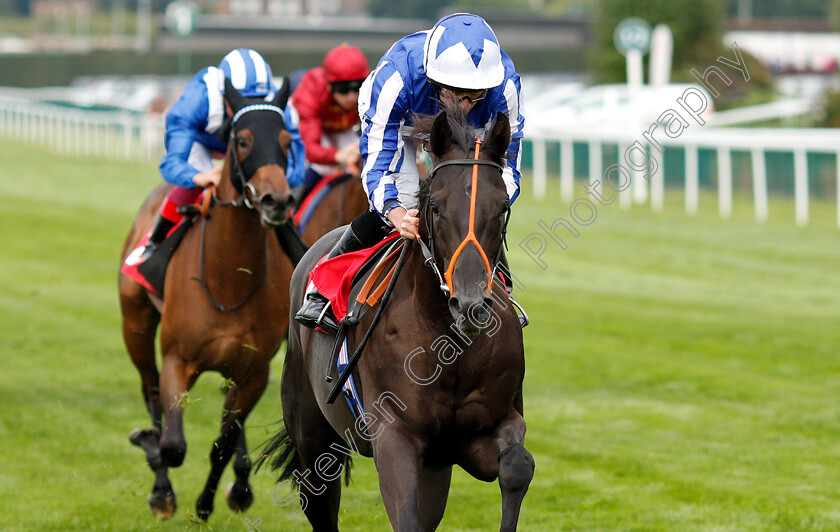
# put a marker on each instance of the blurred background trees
(697, 27)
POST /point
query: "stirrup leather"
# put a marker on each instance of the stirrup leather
(524, 320)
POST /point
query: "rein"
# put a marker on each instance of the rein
(218, 306)
(445, 280)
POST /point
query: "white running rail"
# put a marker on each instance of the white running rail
(83, 132)
(756, 141)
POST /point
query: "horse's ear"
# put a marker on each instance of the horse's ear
(282, 96)
(497, 143)
(232, 96)
(441, 136)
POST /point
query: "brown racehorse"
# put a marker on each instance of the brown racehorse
(338, 207)
(441, 377)
(225, 304)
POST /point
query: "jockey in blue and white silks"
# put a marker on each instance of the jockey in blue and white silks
(460, 52)
(459, 60)
(192, 127)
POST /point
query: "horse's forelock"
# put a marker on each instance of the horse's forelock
(463, 136)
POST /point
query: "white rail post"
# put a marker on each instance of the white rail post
(800, 176)
(107, 134)
(42, 115)
(53, 129)
(540, 178)
(95, 143)
(567, 170)
(596, 162)
(640, 183)
(657, 185)
(692, 181)
(127, 133)
(759, 184)
(724, 162)
(62, 132)
(625, 196)
(77, 133)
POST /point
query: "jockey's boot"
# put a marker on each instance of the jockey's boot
(508, 279)
(159, 232)
(316, 310)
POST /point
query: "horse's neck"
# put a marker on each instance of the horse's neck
(425, 286)
(234, 231)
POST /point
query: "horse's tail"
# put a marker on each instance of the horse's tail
(283, 456)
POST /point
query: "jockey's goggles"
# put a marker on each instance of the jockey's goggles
(472, 96)
(346, 87)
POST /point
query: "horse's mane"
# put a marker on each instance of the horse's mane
(462, 133)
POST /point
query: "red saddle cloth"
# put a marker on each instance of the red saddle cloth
(133, 262)
(334, 277)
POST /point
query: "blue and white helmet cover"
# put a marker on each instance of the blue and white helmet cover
(248, 72)
(461, 51)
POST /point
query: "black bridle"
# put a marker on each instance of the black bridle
(246, 199)
(428, 250)
(248, 193)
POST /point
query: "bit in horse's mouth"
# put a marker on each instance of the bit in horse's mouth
(270, 222)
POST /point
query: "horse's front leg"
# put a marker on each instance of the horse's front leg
(239, 403)
(398, 458)
(175, 379)
(503, 455)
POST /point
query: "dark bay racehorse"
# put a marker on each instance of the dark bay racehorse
(225, 305)
(441, 377)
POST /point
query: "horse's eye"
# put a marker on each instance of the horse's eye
(435, 210)
(241, 143)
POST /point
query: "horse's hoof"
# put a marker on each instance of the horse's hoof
(204, 505)
(239, 499)
(163, 506)
(149, 441)
(142, 437)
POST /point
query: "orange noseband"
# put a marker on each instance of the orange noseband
(470, 238)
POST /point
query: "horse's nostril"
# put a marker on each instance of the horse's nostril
(268, 202)
(480, 315)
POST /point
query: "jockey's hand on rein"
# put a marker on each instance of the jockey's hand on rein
(410, 225)
(204, 179)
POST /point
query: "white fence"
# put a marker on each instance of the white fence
(756, 141)
(109, 134)
(132, 136)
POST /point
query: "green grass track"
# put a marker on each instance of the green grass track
(683, 372)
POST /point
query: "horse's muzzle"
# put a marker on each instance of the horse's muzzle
(274, 210)
(472, 316)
